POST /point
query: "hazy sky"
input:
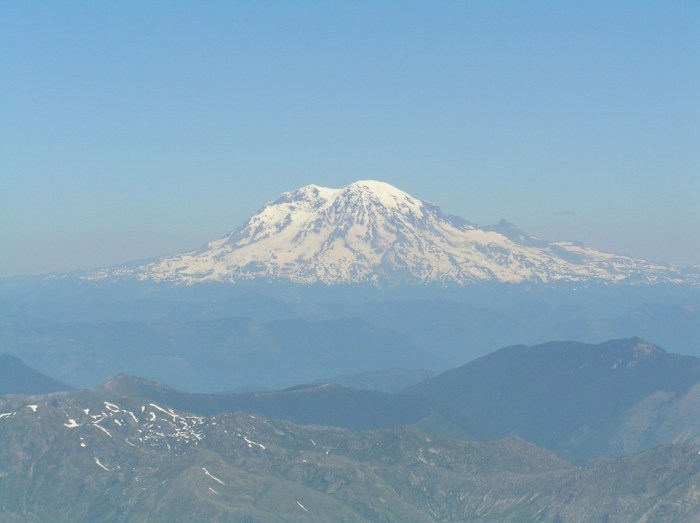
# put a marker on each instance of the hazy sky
(133, 129)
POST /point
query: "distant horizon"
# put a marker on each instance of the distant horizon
(137, 130)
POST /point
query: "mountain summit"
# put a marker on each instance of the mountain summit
(372, 232)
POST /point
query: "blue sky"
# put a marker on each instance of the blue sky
(133, 129)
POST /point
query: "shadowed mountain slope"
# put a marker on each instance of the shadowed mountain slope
(18, 378)
(324, 404)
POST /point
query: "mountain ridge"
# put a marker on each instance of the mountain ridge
(576, 399)
(90, 456)
(322, 404)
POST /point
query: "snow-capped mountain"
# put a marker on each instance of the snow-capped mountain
(372, 232)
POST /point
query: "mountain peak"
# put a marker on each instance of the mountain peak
(372, 192)
(643, 348)
(127, 385)
(308, 192)
(374, 185)
(378, 188)
(362, 192)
